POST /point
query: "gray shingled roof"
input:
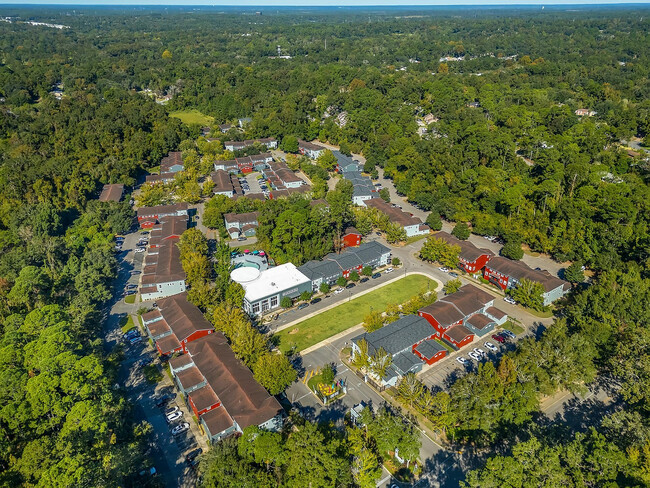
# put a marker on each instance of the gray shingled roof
(319, 269)
(369, 251)
(346, 260)
(406, 361)
(399, 335)
(430, 348)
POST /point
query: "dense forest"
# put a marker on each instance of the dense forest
(505, 153)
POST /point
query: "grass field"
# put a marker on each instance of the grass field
(126, 323)
(129, 299)
(512, 327)
(348, 314)
(192, 117)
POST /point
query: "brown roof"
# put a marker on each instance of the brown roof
(254, 196)
(458, 333)
(189, 377)
(158, 328)
(241, 217)
(479, 321)
(170, 160)
(147, 289)
(152, 315)
(394, 214)
(243, 397)
(172, 226)
(309, 145)
(469, 299)
(246, 227)
(468, 251)
(222, 181)
(217, 420)
(519, 270)
(168, 344)
(111, 193)
(320, 201)
(351, 230)
(184, 318)
(180, 361)
(204, 398)
(496, 313)
(162, 210)
(444, 313)
(168, 266)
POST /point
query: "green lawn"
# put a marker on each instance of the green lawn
(192, 117)
(129, 299)
(349, 314)
(512, 327)
(126, 323)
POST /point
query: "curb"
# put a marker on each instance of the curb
(336, 337)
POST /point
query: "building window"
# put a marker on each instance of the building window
(256, 308)
(265, 305)
(274, 301)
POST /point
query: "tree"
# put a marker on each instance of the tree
(380, 362)
(443, 68)
(274, 372)
(434, 221)
(373, 321)
(354, 276)
(286, 302)
(573, 273)
(529, 294)
(452, 286)
(341, 281)
(410, 389)
(324, 287)
(327, 374)
(366, 271)
(396, 262)
(439, 250)
(289, 144)
(305, 296)
(512, 250)
(361, 358)
(223, 466)
(167, 54)
(461, 231)
(345, 148)
(327, 160)
(394, 233)
(385, 195)
(31, 287)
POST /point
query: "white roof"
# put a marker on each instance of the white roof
(273, 281)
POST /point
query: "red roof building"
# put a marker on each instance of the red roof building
(351, 238)
(471, 258)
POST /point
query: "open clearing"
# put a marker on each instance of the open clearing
(348, 314)
(192, 117)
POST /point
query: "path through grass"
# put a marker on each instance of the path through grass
(348, 314)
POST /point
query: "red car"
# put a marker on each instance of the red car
(498, 338)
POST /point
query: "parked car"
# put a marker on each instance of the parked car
(302, 306)
(148, 472)
(508, 333)
(350, 285)
(164, 400)
(145, 362)
(474, 356)
(135, 272)
(315, 301)
(378, 233)
(479, 351)
(131, 333)
(179, 429)
(363, 280)
(131, 292)
(139, 249)
(453, 275)
(444, 269)
(499, 338)
(462, 360)
(241, 238)
(338, 290)
(490, 346)
(510, 300)
(389, 270)
(171, 410)
(191, 456)
(135, 340)
(376, 275)
(131, 286)
(145, 232)
(173, 417)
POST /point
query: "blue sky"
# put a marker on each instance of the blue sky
(269, 3)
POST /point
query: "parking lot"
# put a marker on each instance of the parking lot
(251, 184)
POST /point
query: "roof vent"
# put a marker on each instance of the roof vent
(272, 284)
